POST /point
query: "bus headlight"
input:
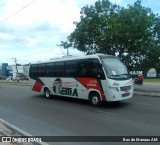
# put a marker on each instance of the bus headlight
(114, 88)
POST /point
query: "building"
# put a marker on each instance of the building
(0, 69)
(20, 71)
(3, 70)
(12, 71)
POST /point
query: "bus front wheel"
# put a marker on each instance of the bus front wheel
(94, 99)
(47, 93)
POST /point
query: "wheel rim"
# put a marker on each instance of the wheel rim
(47, 94)
(95, 100)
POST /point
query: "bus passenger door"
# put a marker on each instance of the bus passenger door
(90, 77)
(83, 77)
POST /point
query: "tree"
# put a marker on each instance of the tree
(142, 34)
(91, 33)
(151, 60)
(132, 32)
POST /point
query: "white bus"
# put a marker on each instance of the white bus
(97, 78)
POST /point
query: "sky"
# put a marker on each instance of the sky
(31, 30)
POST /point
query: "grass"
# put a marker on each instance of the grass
(152, 80)
(11, 82)
(7, 82)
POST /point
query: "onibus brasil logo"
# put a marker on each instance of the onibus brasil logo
(64, 88)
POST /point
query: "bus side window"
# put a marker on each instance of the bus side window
(83, 68)
(70, 70)
(49, 70)
(41, 70)
(97, 71)
(59, 69)
(33, 70)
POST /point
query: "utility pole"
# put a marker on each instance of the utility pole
(15, 60)
(65, 45)
(61, 49)
(67, 51)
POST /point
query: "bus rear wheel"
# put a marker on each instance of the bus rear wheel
(94, 99)
(47, 93)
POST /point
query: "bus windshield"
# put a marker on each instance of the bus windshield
(115, 69)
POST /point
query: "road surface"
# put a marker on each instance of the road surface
(148, 86)
(39, 116)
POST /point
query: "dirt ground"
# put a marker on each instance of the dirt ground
(5, 131)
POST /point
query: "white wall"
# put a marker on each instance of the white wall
(21, 69)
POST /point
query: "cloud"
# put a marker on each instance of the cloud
(4, 46)
(41, 32)
(42, 22)
(33, 32)
(57, 12)
(5, 36)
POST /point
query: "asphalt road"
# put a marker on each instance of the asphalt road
(30, 111)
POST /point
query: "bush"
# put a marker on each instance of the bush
(134, 75)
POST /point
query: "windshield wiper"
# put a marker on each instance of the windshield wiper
(124, 74)
(120, 76)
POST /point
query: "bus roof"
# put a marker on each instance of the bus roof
(67, 58)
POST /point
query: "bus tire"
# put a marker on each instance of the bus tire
(94, 99)
(47, 93)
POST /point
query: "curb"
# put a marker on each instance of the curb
(145, 90)
(19, 131)
(152, 94)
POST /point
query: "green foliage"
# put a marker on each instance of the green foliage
(133, 32)
(152, 59)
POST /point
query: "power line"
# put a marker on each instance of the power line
(47, 50)
(61, 49)
(15, 13)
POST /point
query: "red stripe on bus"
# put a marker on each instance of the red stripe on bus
(92, 83)
(37, 86)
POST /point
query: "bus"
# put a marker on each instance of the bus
(97, 78)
